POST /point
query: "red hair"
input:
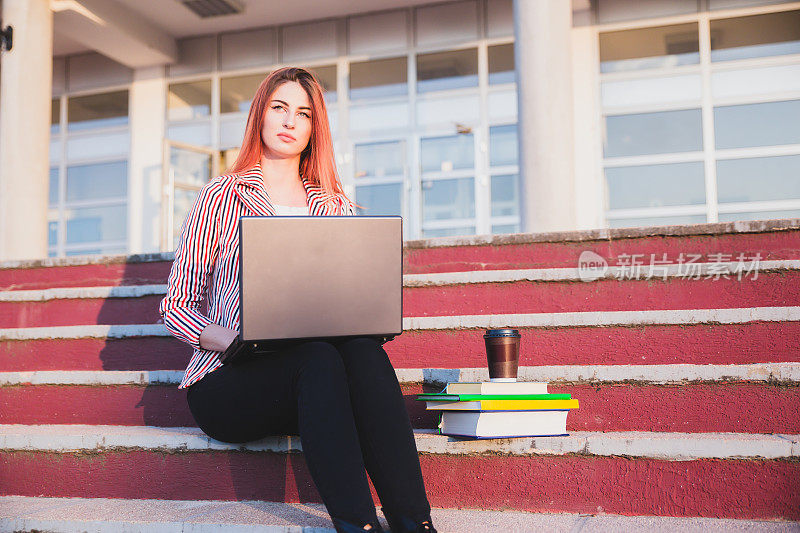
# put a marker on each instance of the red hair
(317, 163)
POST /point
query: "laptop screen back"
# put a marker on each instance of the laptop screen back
(316, 277)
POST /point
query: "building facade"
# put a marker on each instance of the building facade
(465, 117)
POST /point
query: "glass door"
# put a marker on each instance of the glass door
(381, 179)
(186, 169)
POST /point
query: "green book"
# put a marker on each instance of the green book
(439, 397)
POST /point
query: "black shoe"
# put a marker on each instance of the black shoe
(343, 526)
(404, 524)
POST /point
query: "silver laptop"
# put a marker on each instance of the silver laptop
(307, 278)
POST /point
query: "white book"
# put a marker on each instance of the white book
(493, 387)
(497, 424)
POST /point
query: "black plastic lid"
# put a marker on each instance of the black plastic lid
(501, 333)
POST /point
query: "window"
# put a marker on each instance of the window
(657, 168)
(412, 118)
(52, 234)
(189, 111)
(504, 175)
(55, 116)
(238, 92)
(448, 184)
(88, 185)
(379, 160)
(380, 176)
(327, 79)
(92, 182)
(501, 64)
(654, 133)
(190, 171)
(447, 70)
(504, 195)
(445, 154)
(656, 185)
(380, 199)
(655, 221)
(759, 215)
(379, 78)
(190, 100)
(503, 145)
(646, 48)
(766, 124)
(97, 111)
(758, 179)
(448, 232)
(448, 199)
(93, 224)
(770, 34)
(88, 194)
(53, 196)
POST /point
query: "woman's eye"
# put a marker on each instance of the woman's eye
(305, 114)
(277, 107)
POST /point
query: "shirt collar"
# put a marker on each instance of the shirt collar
(252, 177)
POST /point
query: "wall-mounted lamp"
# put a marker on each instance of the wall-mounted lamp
(6, 38)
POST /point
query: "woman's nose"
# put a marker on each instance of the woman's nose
(288, 121)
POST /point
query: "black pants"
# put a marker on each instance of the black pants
(346, 404)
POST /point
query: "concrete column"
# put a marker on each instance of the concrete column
(543, 56)
(25, 95)
(148, 123)
(589, 185)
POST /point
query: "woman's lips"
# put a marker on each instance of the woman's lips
(286, 137)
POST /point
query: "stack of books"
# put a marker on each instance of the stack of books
(497, 410)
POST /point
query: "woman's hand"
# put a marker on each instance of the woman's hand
(216, 337)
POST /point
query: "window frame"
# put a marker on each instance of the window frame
(60, 138)
(410, 134)
(709, 155)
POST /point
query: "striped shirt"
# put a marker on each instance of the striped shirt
(208, 252)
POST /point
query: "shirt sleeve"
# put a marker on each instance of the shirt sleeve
(348, 208)
(195, 257)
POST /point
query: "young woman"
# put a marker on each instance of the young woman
(342, 398)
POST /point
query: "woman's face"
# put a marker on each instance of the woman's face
(287, 121)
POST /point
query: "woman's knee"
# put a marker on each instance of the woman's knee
(365, 345)
(365, 356)
(318, 358)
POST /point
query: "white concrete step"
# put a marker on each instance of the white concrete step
(103, 515)
(670, 446)
(431, 323)
(654, 374)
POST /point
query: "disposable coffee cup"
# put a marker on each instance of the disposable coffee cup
(502, 354)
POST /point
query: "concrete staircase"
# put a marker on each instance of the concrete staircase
(682, 350)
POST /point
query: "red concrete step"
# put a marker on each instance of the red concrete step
(772, 240)
(126, 405)
(737, 407)
(562, 250)
(753, 342)
(729, 488)
(768, 289)
(720, 344)
(113, 271)
(82, 311)
(131, 353)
